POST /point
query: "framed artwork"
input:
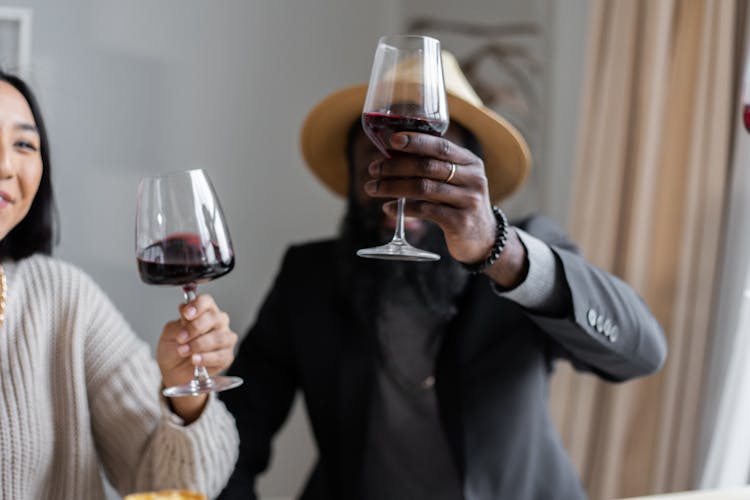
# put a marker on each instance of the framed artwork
(502, 62)
(15, 39)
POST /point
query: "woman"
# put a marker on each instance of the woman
(78, 390)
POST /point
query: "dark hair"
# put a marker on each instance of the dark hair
(35, 233)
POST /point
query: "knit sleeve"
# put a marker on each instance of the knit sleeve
(141, 444)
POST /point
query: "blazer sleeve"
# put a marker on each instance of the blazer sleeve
(261, 405)
(608, 328)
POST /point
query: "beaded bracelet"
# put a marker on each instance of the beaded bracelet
(501, 238)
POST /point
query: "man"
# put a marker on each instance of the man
(430, 380)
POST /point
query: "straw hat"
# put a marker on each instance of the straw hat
(324, 133)
(166, 495)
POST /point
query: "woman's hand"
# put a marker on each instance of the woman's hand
(201, 336)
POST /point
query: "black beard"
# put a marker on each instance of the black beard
(365, 282)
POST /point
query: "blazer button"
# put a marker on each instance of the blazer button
(614, 334)
(600, 323)
(592, 317)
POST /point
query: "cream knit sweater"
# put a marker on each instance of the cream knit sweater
(79, 393)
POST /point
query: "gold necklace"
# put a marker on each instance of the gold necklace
(3, 294)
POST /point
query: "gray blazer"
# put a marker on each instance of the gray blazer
(492, 375)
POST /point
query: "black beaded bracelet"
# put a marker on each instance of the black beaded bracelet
(501, 238)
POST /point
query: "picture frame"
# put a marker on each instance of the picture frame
(15, 39)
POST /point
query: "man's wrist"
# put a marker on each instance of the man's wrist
(498, 245)
(511, 268)
(543, 290)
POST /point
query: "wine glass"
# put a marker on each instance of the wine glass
(746, 92)
(406, 93)
(181, 238)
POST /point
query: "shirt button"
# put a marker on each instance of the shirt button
(592, 317)
(428, 383)
(607, 327)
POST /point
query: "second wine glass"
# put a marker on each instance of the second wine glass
(182, 239)
(406, 93)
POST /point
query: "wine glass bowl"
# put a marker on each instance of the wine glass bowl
(181, 259)
(182, 239)
(406, 92)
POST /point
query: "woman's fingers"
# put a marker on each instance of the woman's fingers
(201, 316)
(213, 341)
(214, 361)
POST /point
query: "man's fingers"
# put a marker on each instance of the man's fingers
(422, 189)
(417, 166)
(445, 216)
(432, 146)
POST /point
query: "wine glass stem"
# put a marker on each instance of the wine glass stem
(189, 292)
(399, 234)
(199, 372)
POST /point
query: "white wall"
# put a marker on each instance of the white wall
(567, 29)
(131, 88)
(723, 458)
(138, 87)
(494, 13)
(550, 126)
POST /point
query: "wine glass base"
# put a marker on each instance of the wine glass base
(202, 386)
(398, 250)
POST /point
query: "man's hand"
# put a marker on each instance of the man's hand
(417, 170)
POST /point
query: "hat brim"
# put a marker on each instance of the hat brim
(325, 131)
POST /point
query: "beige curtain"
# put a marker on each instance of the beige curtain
(648, 200)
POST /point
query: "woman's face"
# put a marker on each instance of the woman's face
(20, 158)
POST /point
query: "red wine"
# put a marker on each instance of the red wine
(181, 259)
(746, 116)
(379, 127)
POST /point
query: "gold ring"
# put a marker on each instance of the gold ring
(450, 176)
